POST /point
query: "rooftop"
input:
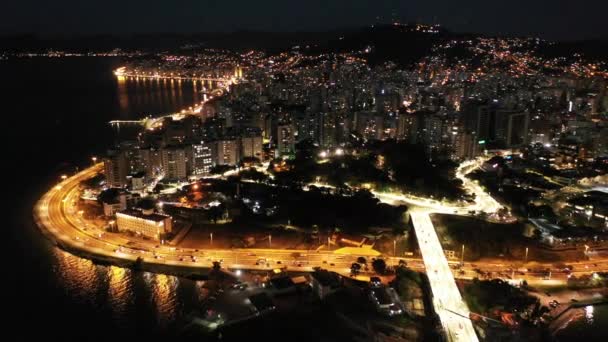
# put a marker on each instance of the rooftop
(140, 214)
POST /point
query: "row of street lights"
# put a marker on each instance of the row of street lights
(269, 240)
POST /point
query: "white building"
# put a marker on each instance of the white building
(145, 223)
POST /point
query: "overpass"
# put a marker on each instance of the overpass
(447, 301)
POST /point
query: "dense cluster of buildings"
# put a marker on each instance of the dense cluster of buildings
(500, 96)
(455, 108)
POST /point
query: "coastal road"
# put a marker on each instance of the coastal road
(57, 215)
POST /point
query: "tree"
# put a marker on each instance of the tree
(379, 266)
(220, 169)
(254, 175)
(216, 265)
(355, 268)
(361, 260)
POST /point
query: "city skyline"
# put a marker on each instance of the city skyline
(397, 181)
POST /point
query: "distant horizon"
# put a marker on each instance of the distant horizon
(555, 20)
(71, 35)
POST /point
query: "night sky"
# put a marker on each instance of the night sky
(553, 19)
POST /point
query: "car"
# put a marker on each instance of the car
(181, 259)
(332, 264)
(279, 262)
(239, 286)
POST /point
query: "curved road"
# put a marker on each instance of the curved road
(56, 214)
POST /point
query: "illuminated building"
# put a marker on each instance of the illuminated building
(173, 159)
(145, 223)
(226, 152)
(116, 167)
(201, 159)
(251, 145)
(151, 161)
(285, 140)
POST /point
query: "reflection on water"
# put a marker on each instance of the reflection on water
(120, 293)
(138, 97)
(78, 276)
(589, 323)
(164, 289)
(127, 295)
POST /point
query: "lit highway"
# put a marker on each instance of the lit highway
(56, 214)
(447, 301)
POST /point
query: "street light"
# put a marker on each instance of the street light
(211, 239)
(64, 177)
(394, 248)
(94, 159)
(526, 259)
(269, 241)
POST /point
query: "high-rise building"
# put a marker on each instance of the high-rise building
(468, 146)
(151, 161)
(251, 144)
(326, 129)
(285, 140)
(404, 122)
(226, 152)
(201, 159)
(517, 129)
(433, 132)
(116, 167)
(482, 122)
(174, 162)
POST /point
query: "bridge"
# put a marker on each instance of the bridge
(447, 301)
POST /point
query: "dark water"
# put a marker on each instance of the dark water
(588, 324)
(55, 114)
